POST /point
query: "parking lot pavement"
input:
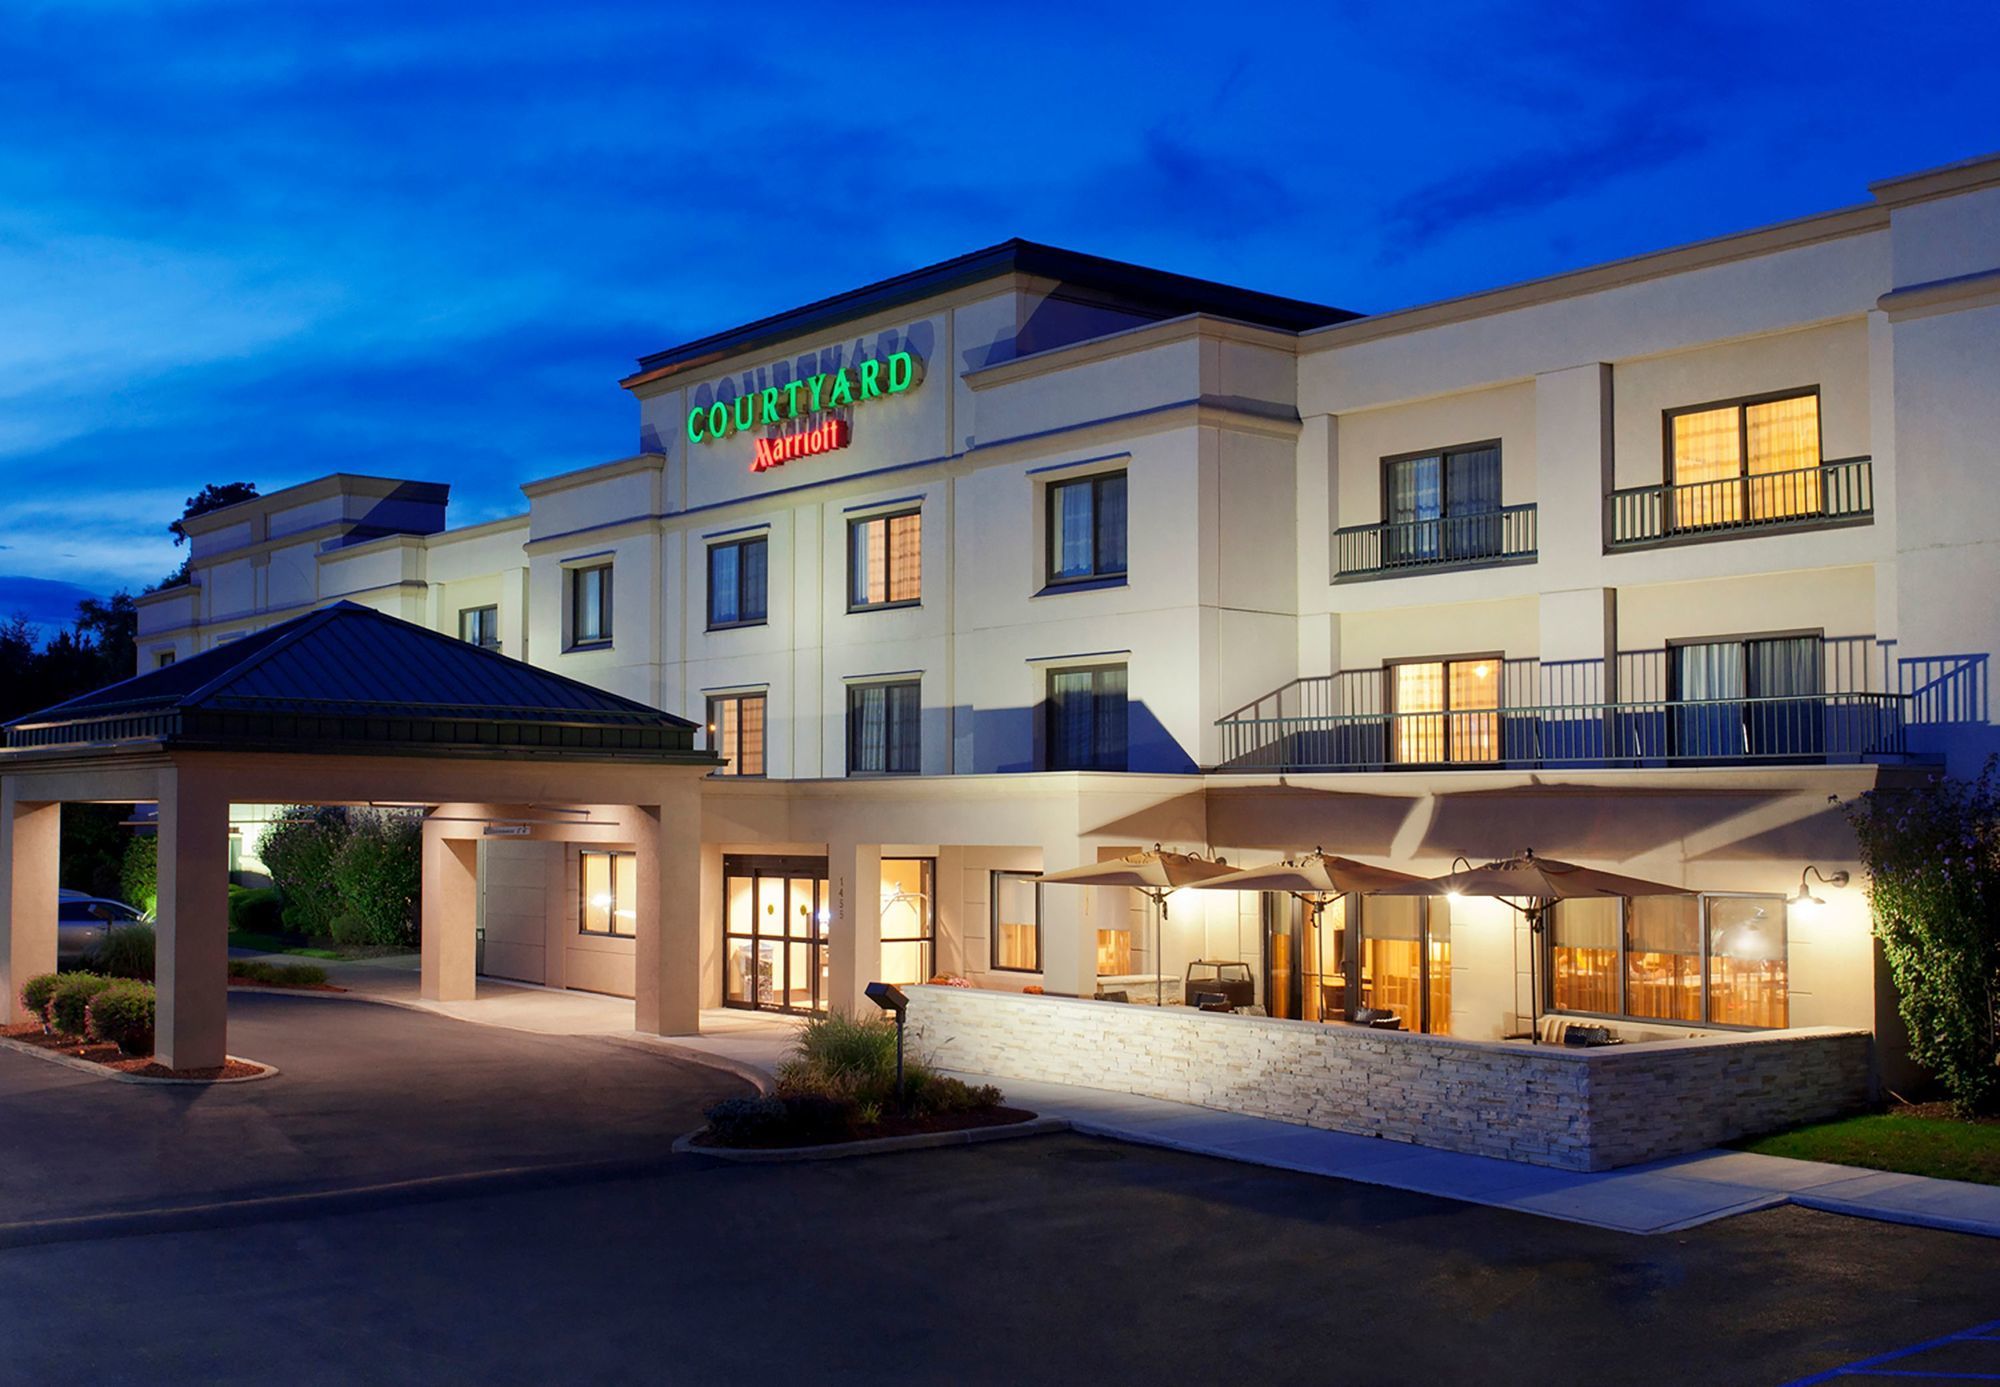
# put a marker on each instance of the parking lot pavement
(1056, 1259)
(366, 1095)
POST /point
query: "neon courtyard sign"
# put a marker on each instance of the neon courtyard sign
(777, 405)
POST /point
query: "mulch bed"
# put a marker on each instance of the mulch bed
(1941, 1111)
(104, 1053)
(896, 1125)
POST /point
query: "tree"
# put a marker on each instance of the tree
(212, 497)
(1933, 858)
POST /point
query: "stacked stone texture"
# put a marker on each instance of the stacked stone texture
(1573, 1109)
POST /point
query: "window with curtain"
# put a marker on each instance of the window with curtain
(1085, 724)
(736, 732)
(1442, 506)
(1661, 950)
(1755, 461)
(590, 605)
(885, 560)
(1017, 922)
(909, 919)
(1446, 710)
(480, 626)
(1760, 697)
(884, 728)
(610, 893)
(1405, 955)
(738, 582)
(1087, 528)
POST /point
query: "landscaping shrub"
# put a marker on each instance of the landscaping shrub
(127, 952)
(70, 1002)
(746, 1121)
(36, 992)
(300, 848)
(850, 1061)
(280, 974)
(139, 874)
(379, 874)
(1933, 859)
(257, 910)
(123, 1015)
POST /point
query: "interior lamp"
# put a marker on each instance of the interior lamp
(1803, 899)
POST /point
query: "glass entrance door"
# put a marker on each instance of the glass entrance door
(774, 927)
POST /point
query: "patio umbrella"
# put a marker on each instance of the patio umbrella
(1541, 881)
(1156, 874)
(1317, 880)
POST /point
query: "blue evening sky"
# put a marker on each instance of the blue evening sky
(266, 240)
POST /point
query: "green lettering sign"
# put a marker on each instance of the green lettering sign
(872, 379)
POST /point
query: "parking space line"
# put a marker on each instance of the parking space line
(1873, 1367)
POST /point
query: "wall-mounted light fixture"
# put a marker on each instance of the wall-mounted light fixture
(1803, 900)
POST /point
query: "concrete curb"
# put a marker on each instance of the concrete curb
(760, 1079)
(83, 1066)
(920, 1141)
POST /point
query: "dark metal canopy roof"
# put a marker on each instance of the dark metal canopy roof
(1156, 293)
(350, 679)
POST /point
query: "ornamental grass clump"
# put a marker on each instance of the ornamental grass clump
(1933, 859)
(36, 992)
(127, 952)
(122, 1014)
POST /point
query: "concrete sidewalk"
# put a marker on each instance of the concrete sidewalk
(1659, 1197)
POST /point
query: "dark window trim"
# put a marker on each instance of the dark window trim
(1051, 580)
(1049, 674)
(1667, 417)
(929, 938)
(708, 564)
(583, 902)
(993, 963)
(1498, 709)
(856, 521)
(464, 612)
(1440, 454)
(763, 726)
(1703, 947)
(857, 685)
(575, 578)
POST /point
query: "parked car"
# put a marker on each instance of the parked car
(84, 921)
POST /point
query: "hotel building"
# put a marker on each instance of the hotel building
(1030, 559)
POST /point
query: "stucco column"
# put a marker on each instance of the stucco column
(29, 833)
(449, 942)
(854, 885)
(666, 948)
(191, 965)
(1069, 927)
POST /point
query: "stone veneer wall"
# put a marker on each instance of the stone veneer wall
(1571, 1108)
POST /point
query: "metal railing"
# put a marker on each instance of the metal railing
(1657, 732)
(1506, 535)
(1842, 490)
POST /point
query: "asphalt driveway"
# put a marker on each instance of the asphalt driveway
(368, 1094)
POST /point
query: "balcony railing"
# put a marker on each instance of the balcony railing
(1822, 728)
(1483, 538)
(1834, 492)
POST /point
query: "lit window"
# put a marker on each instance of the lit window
(1747, 462)
(1087, 528)
(1446, 710)
(1086, 719)
(610, 893)
(909, 919)
(1017, 922)
(736, 583)
(1645, 958)
(885, 560)
(480, 626)
(736, 732)
(590, 605)
(885, 728)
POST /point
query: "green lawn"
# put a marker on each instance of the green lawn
(273, 944)
(1888, 1141)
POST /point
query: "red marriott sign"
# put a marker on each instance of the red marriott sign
(803, 443)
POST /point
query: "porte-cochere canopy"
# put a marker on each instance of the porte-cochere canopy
(348, 706)
(351, 679)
